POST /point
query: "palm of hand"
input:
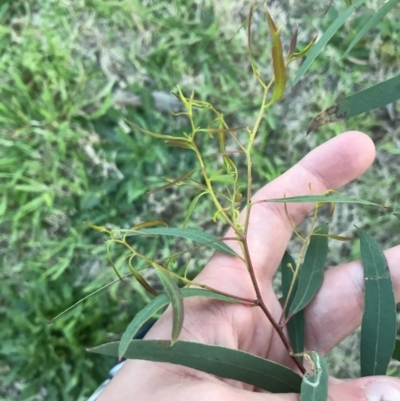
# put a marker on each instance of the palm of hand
(333, 314)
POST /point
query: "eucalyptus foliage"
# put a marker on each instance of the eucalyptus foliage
(301, 278)
(69, 156)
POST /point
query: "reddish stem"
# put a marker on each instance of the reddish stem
(264, 308)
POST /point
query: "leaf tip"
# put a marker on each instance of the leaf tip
(329, 115)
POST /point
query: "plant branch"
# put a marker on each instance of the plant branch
(211, 189)
(248, 159)
(264, 308)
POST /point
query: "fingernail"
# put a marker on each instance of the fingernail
(382, 391)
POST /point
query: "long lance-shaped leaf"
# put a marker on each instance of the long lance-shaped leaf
(191, 208)
(278, 60)
(293, 42)
(87, 297)
(371, 23)
(176, 300)
(117, 281)
(361, 102)
(175, 181)
(148, 224)
(141, 280)
(396, 352)
(311, 272)
(315, 386)
(325, 38)
(251, 59)
(296, 55)
(192, 234)
(155, 306)
(296, 325)
(378, 326)
(330, 198)
(220, 361)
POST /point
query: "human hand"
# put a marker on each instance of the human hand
(334, 313)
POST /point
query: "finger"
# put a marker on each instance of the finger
(376, 388)
(329, 166)
(341, 299)
(180, 384)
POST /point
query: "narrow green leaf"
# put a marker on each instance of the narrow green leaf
(180, 143)
(175, 297)
(192, 234)
(322, 198)
(190, 209)
(251, 59)
(98, 228)
(361, 102)
(141, 280)
(293, 42)
(153, 134)
(85, 298)
(220, 361)
(296, 325)
(378, 326)
(397, 215)
(278, 60)
(301, 53)
(396, 352)
(312, 271)
(150, 223)
(325, 38)
(371, 23)
(315, 386)
(156, 305)
(176, 181)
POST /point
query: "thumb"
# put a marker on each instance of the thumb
(377, 388)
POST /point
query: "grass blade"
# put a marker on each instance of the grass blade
(325, 38)
(315, 386)
(296, 325)
(155, 306)
(331, 198)
(220, 361)
(175, 297)
(378, 327)
(311, 272)
(371, 23)
(361, 102)
(192, 234)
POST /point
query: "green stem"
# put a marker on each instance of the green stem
(211, 189)
(248, 159)
(184, 279)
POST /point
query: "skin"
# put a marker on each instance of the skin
(334, 313)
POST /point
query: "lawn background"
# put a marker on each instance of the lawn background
(70, 72)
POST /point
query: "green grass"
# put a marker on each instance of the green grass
(67, 156)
